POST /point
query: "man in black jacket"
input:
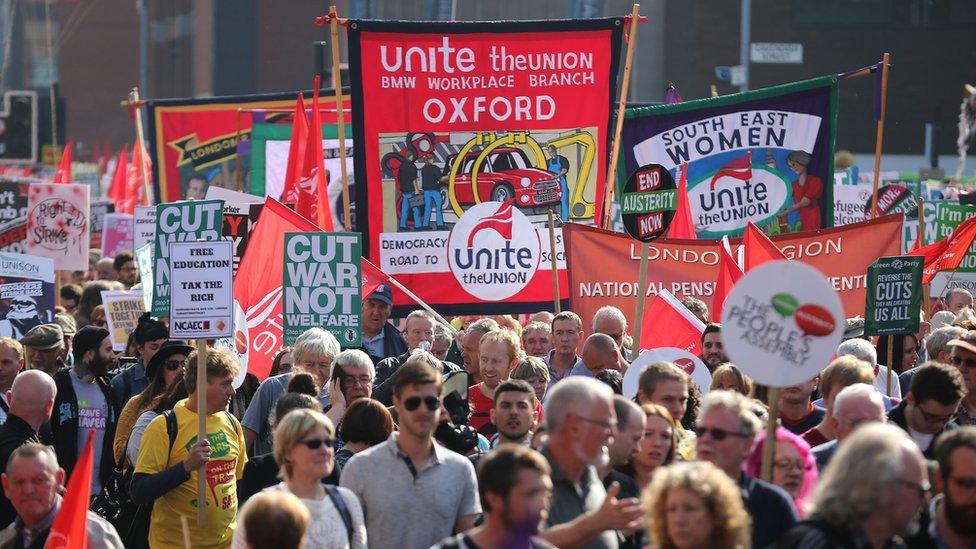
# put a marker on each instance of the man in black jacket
(380, 338)
(933, 396)
(84, 402)
(418, 334)
(31, 402)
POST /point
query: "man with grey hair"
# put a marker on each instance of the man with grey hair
(854, 405)
(33, 482)
(611, 321)
(863, 350)
(352, 378)
(581, 422)
(537, 339)
(600, 352)
(727, 429)
(959, 299)
(443, 337)
(937, 347)
(314, 352)
(419, 334)
(869, 496)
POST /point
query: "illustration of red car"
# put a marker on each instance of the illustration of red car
(505, 174)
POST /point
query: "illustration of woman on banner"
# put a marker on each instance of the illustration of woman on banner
(807, 190)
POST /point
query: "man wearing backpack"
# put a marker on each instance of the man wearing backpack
(167, 466)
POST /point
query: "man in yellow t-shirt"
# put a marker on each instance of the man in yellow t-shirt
(166, 470)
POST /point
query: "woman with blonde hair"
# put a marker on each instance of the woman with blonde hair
(303, 449)
(656, 449)
(728, 377)
(695, 506)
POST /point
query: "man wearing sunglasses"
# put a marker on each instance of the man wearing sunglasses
(727, 430)
(963, 357)
(950, 519)
(931, 403)
(414, 492)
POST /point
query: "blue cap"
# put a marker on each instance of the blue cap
(383, 293)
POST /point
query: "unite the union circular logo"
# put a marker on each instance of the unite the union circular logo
(493, 250)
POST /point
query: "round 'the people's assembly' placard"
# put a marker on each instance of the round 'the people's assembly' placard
(648, 202)
(691, 364)
(782, 323)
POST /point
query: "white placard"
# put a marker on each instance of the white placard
(144, 230)
(782, 323)
(691, 364)
(202, 291)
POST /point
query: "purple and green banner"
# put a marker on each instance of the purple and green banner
(764, 156)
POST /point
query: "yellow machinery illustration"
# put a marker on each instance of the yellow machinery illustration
(579, 207)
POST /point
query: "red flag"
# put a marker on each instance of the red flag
(758, 248)
(119, 180)
(373, 277)
(70, 527)
(314, 168)
(668, 323)
(739, 168)
(728, 274)
(296, 153)
(257, 284)
(683, 225)
(947, 254)
(63, 175)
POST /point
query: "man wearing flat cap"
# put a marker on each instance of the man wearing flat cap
(84, 402)
(44, 347)
(807, 190)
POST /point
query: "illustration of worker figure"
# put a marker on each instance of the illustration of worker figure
(559, 165)
(807, 190)
(430, 177)
(409, 188)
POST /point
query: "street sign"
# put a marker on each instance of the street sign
(776, 52)
(894, 295)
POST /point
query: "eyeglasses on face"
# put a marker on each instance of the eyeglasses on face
(718, 434)
(920, 487)
(791, 464)
(412, 403)
(607, 425)
(958, 362)
(929, 417)
(316, 443)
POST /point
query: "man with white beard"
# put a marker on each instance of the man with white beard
(581, 422)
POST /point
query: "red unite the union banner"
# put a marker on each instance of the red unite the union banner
(603, 266)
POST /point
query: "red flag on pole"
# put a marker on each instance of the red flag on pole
(373, 277)
(668, 323)
(63, 175)
(257, 284)
(70, 526)
(758, 248)
(683, 225)
(119, 180)
(728, 274)
(296, 153)
(947, 254)
(314, 168)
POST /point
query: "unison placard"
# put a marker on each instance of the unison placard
(322, 285)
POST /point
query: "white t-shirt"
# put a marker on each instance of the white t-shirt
(327, 528)
(880, 382)
(921, 439)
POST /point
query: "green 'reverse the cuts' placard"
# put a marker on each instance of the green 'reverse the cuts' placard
(894, 296)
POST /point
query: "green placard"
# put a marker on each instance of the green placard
(184, 221)
(322, 285)
(949, 216)
(894, 295)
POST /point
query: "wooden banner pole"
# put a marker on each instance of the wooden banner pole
(880, 133)
(422, 304)
(554, 267)
(140, 135)
(340, 118)
(769, 447)
(619, 125)
(641, 295)
(926, 289)
(202, 429)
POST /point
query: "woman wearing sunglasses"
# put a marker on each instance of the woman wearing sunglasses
(162, 370)
(303, 450)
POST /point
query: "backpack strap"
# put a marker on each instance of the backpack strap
(340, 504)
(171, 428)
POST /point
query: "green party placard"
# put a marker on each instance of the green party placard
(894, 295)
(322, 285)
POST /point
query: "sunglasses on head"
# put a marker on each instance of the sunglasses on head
(316, 443)
(718, 434)
(412, 403)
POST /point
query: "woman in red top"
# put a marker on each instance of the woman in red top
(807, 190)
(498, 356)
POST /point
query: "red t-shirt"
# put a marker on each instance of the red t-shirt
(814, 438)
(812, 190)
(481, 405)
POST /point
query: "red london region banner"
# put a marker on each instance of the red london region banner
(468, 135)
(604, 265)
